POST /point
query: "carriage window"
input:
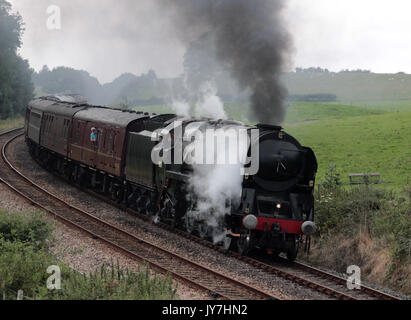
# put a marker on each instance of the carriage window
(105, 138)
(47, 124)
(51, 125)
(100, 139)
(77, 137)
(66, 129)
(110, 141)
(114, 142)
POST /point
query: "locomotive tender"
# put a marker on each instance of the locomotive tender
(277, 204)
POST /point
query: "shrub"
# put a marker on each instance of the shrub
(332, 178)
(24, 261)
(394, 222)
(26, 228)
(345, 210)
(113, 283)
(375, 220)
(22, 267)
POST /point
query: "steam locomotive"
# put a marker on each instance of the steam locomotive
(276, 208)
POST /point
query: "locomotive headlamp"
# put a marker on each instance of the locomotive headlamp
(279, 206)
(250, 222)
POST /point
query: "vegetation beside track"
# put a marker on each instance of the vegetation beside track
(24, 260)
(11, 123)
(367, 227)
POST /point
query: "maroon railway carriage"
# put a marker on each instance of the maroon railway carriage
(55, 127)
(108, 154)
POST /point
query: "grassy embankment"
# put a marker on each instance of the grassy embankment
(365, 226)
(24, 260)
(11, 123)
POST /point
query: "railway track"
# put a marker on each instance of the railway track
(159, 259)
(296, 272)
(365, 291)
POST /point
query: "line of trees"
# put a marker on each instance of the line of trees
(16, 88)
(321, 70)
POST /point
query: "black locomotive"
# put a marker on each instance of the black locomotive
(276, 208)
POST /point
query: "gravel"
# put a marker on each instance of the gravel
(85, 254)
(79, 251)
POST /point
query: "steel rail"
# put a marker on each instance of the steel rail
(226, 287)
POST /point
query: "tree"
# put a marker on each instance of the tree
(16, 88)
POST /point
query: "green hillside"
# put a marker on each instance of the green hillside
(376, 143)
(296, 112)
(351, 86)
(391, 106)
(303, 111)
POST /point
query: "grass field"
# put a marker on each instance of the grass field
(351, 86)
(11, 123)
(296, 112)
(389, 106)
(363, 144)
(304, 111)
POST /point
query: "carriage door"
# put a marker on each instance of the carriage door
(111, 150)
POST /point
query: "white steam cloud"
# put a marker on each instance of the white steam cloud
(216, 188)
(207, 104)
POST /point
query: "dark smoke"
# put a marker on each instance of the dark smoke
(250, 40)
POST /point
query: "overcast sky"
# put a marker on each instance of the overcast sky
(109, 37)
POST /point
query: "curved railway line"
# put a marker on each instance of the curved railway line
(165, 261)
(157, 258)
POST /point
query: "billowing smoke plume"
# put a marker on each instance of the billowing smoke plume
(249, 40)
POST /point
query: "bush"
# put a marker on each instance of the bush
(24, 261)
(332, 178)
(22, 267)
(394, 223)
(25, 228)
(346, 210)
(347, 216)
(113, 283)
(383, 214)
